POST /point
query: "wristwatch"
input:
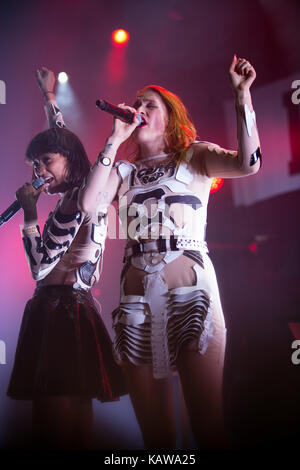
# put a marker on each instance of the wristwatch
(106, 161)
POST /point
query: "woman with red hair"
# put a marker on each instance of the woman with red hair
(170, 316)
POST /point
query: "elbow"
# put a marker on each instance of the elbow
(252, 166)
(252, 169)
(255, 168)
(39, 274)
(35, 276)
(83, 204)
(249, 170)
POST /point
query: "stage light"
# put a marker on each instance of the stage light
(62, 77)
(216, 184)
(252, 247)
(120, 36)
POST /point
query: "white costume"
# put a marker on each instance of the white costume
(162, 206)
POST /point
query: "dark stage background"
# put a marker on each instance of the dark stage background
(253, 226)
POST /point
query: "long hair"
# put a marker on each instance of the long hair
(63, 141)
(180, 131)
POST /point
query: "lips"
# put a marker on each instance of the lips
(49, 180)
(143, 123)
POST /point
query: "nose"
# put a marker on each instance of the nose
(141, 109)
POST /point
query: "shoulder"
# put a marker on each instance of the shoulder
(200, 147)
(123, 168)
(196, 155)
(69, 201)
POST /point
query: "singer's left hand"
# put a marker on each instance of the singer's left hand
(242, 74)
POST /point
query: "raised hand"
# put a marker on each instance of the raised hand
(45, 79)
(242, 74)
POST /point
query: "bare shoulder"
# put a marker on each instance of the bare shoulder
(196, 155)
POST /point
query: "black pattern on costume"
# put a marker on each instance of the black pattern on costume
(44, 252)
(152, 174)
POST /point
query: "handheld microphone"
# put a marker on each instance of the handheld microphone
(124, 114)
(16, 206)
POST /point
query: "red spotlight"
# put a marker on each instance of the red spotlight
(252, 247)
(216, 184)
(120, 36)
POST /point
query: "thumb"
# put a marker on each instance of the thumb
(233, 63)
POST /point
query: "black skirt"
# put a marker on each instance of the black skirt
(64, 349)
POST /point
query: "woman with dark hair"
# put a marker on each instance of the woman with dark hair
(64, 353)
(170, 315)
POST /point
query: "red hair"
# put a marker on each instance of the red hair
(180, 131)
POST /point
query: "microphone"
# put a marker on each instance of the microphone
(16, 206)
(123, 114)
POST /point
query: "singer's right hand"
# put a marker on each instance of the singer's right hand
(45, 79)
(28, 196)
(122, 130)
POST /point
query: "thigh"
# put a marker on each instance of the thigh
(202, 384)
(202, 374)
(152, 400)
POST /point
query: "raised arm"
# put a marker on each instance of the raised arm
(218, 162)
(44, 252)
(46, 82)
(101, 185)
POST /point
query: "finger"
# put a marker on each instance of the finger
(243, 68)
(241, 63)
(130, 108)
(233, 63)
(41, 189)
(240, 68)
(38, 74)
(247, 69)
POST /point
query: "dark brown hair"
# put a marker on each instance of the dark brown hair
(63, 141)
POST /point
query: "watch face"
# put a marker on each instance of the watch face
(105, 161)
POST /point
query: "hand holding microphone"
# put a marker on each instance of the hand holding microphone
(125, 114)
(127, 120)
(27, 196)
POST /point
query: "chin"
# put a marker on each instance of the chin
(51, 191)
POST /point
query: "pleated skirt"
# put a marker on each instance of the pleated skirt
(64, 349)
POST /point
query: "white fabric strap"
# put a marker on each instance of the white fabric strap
(250, 118)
